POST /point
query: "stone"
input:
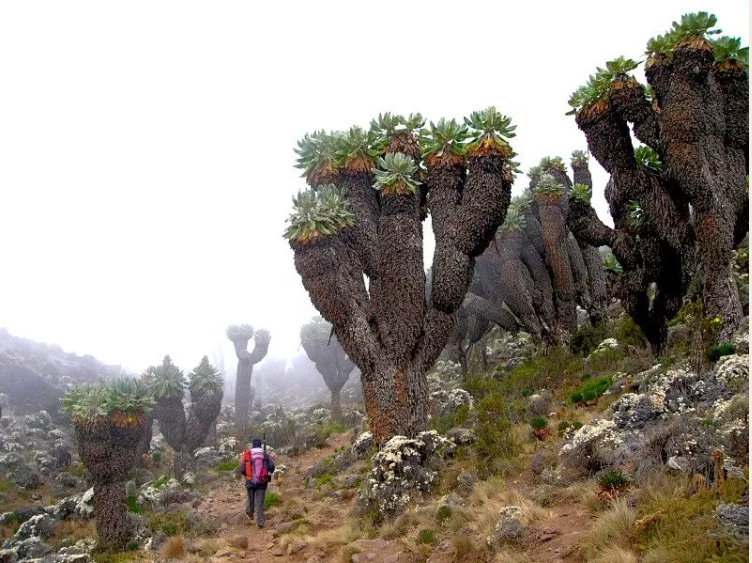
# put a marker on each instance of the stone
(41, 526)
(25, 478)
(466, 481)
(509, 526)
(241, 542)
(362, 444)
(461, 436)
(66, 479)
(296, 547)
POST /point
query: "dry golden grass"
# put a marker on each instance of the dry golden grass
(506, 556)
(173, 548)
(616, 554)
(69, 532)
(204, 547)
(334, 538)
(490, 496)
(613, 528)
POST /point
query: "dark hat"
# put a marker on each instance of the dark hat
(256, 443)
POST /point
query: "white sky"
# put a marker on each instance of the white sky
(146, 148)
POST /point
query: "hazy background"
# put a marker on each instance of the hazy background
(146, 148)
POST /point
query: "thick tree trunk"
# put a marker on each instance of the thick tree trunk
(337, 405)
(211, 438)
(144, 442)
(243, 392)
(110, 510)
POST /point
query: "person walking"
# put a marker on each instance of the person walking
(257, 466)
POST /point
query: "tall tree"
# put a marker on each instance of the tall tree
(694, 122)
(108, 421)
(362, 217)
(323, 349)
(239, 335)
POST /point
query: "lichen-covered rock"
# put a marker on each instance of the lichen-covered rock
(733, 519)
(403, 469)
(539, 404)
(207, 457)
(466, 482)
(22, 476)
(31, 548)
(85, 505)
(362, 444)
(39, 526)
(732, 372)
(584, 452)
(509, 527)
(461, 436)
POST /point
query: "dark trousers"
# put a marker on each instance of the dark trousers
(255, 503)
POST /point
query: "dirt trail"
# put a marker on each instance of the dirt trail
(226, 503)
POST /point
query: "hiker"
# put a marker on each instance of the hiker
(257, 467)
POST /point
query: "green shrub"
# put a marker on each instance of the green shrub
(539, 422)
(272, 499)
(628, 333)
(228, 465)
(324, 479)
(132, 545)
(426, 536)
(169, 522)
(161, 482)
(526, 392)
(576, 397)
(329, 429)
(443, 513)
(613, 480)
(714, 353)
(496, 446)
(156, 458)
(577, 425)
(586, 339)
(563, 426)
(5, 485)
(589, 395)
(133, 505)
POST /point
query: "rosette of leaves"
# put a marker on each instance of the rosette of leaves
(611, 264)
(387, 125)
(548, 186)
(581, 192)
(648, 159)
(534, 173)
(598, 84)
(165, 381)
(318, 213)
(579, 158)
(730, 50)
(445, 141)
(316, 156)
(490, 131)
(357, 149)
(128, 400)
(696, 25)
(635, 213)
(205, 379)
(396, 175)
(240, 332)
(514, 220)
(86, 404)
(552, 163)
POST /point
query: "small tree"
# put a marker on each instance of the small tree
(331, 360)
(108, 422)
(362, 218)
(185, 433)
(239, 335)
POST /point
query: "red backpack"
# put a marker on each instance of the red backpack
(256, 461)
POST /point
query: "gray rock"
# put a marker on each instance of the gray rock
(538, 405)
(22, 476)
(362, 444)
(509, 527)
(39, 526)
(25, 513)
(31, 548)
(8, 556)
(466, 481)
(66, 479)
(733, 519)
(462, 436)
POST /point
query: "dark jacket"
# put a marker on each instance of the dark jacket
(270, 468)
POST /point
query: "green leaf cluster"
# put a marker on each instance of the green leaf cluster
(579, 158)
(599, 83)
(552, 163)
(697, 24)
(635, 213)
(395, 174)
(490, 126)
(90, 403)
(547, 185)
(592, 389)
(730, 49)
(514, 220)
(444, 137)
(166, 381)
(388, 125)
(320, 212)
(581, 192)
(611, 264)
(205, 379)
(314, 150)
(648, 159)
(357, 143)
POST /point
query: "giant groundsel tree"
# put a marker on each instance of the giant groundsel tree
(324, 350)
(239, 335)
(679, 200)
(108, 420)
(362, 217)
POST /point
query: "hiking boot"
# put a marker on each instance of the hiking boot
(250, 516)
(260, 525)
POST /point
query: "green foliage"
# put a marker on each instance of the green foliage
(581, 192)
(490, 127)
(171, 523)
(696, 24)
(443, 513)
(450, 420)
(90, 403)
(526, 392)
(323, 480)
(156, 457)
(598, 85)
(205, 378)
(272, 499)
(496, 446)
(318, 213)
(611, 264)
(716, 352)
(592, 389)
(357, 143)
(534, 173)
(134, 506)
(131, 545)
(552, 163)
(648, 159)
(547, 185)
(328, 429)
(730, 49)
(514, 221)
(314, 150)
(628, 333)
(539, 422)
(563, 426)
(227, 465)
(165, 381)
(444, 137)
(577, 425)
(579, 158)
(635, 213)
(388, 125)
(426, 537)
(396, 174)
(613, 480)
(5, 485)
(161, 482)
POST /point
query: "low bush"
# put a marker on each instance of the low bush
(272, 499)
(228, 465)
(716, 352)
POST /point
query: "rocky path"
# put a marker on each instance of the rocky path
(250, 544)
